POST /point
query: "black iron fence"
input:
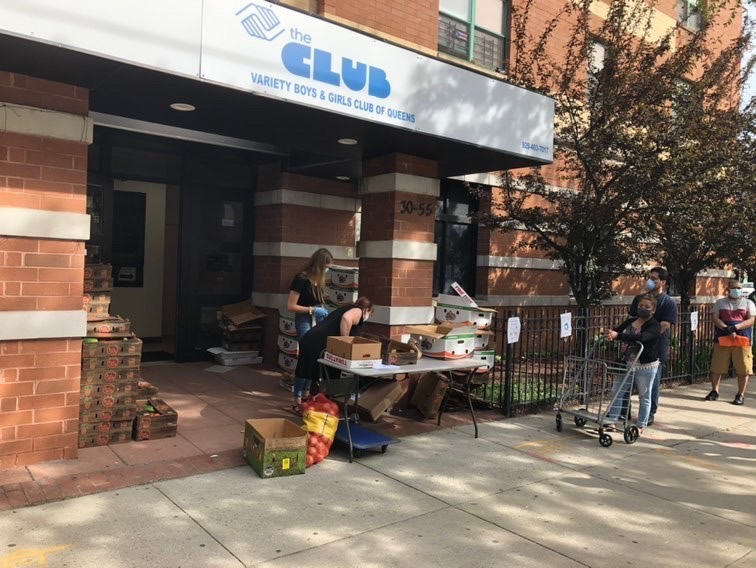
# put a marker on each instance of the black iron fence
(528, 374)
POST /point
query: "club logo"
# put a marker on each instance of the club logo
(260, 22)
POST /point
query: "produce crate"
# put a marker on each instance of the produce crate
(275, 447)
(109, 327)
(113, 403)
(104, 439)
(107, 415)
(238, 346)
(98, 285)
(110, 348)
(105, 427)
(97, 311)
(96, 298)
(97, 271)
(109, 376)
(155, 420)
(146, 390)
(109, 389)
(105, 363)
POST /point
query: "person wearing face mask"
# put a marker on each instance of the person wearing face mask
(643, 328)
(341, 322)
(733, 318)
(666, 315)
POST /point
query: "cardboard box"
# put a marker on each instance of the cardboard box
(103, 439)
(110, 327)
(455, 309)
(97, 271)
(286, 325)
(155, 433)
(112, 363)
(98, 285)
(146, 389)
(234, 358)
(287, 362)
(109, 389)
(105, 427)
(487, 359)
(149, 425)
(379, 398)
(482, 338)
(242, 313)
(98, 404)
(235, 347)
(354, 348)
(445, 341)
(97, 311)
(288, 345)
(131, 345)
(344, 276)
(275, 447)
(351, 363)
(395, 352)
(96, 298)
(109, 376)
(107, 415)
(429, 394)
(341, 296)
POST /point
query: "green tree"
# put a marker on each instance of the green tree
(612, 85)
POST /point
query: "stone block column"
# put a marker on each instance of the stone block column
(44, 133)
(294, 216)
(396, 247)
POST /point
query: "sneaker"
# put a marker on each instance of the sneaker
(739, 400)
(650, 420)
(713, 395)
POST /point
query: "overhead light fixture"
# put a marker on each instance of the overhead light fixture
(347, 141)
(342, 178)
(183, 107)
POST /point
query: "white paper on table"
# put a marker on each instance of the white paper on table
(565, 321)
(513, 330)
(382, 367)
(216, 350)
(693, 321)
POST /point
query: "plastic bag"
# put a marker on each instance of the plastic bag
(321, 418)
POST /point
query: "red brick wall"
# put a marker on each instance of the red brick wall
(414, 22)
(39, 379)
(395, 282)
(39, 400)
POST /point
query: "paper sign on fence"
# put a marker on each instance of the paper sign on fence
(513, 330)
(693, 321)
(565, 321)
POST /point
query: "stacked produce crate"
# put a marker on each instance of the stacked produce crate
(155, 420)
(98, 287)
(109, 376)
(342, 285)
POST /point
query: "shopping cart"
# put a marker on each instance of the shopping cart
(591, 386)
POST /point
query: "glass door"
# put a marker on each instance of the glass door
(215, 266)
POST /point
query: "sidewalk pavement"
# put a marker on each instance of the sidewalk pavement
(520, 495)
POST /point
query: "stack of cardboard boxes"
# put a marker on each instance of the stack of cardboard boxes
(155, 420)
(242, 334)
(113, 400)
(109, 376)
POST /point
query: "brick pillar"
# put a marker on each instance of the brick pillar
(396, 247)
(294, 216)
(43, 226)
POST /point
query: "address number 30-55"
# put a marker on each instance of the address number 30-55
(412, 208)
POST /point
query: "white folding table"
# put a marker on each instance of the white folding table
(424, 365)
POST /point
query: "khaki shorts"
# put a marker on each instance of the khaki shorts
(742, 360)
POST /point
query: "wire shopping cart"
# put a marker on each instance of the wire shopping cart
(590, 389)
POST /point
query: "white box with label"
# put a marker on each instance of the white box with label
(288, 345)
(445, 341)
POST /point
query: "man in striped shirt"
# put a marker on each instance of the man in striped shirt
(733, 332)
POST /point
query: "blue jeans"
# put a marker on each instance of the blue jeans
(655, 390)
(643, 377)
(303, 324)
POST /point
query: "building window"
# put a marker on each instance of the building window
(596, 60)
(474, 30)
(456, 239)
(689, 14)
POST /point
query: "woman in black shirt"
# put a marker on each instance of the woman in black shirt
(646, 330)
(306, 296)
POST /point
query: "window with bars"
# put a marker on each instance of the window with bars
(474, 30)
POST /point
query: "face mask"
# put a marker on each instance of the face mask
(735, 293)
(650, 285)
(644, 313)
